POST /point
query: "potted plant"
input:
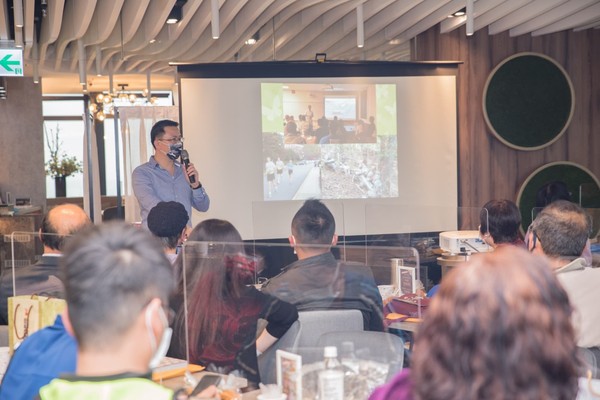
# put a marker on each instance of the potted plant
(59, 165)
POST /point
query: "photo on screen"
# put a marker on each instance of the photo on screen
(329, 141)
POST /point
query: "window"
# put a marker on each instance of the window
(64, 114)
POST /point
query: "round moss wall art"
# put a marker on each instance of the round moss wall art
(528, 101)
(573, 175)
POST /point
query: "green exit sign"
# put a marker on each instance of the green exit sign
(11, 62)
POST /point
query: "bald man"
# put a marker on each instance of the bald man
(42, 277)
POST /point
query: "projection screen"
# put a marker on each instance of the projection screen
(267, 136)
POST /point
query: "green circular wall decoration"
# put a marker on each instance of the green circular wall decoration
(528, 101)
(570, 173)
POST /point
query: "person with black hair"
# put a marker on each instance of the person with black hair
(550, 192)
(117, 285)
(168, 222)
(317, 280)
(163, 178)
(51, 347)
(499, 222)
(42, 277)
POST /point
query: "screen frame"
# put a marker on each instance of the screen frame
(329, 69)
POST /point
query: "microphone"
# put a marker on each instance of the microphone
(185, 159)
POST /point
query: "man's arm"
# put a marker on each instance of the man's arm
(200, 199)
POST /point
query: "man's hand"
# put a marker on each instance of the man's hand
(191, 171)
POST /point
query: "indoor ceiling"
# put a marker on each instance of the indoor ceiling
(61, 38)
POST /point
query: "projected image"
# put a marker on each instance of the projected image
(329, 141)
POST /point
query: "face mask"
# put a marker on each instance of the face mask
(175, 150)
(161, 350)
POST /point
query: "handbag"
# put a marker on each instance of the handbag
(28, 314)
(411, 305)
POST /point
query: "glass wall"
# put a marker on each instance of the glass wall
(63, 114)
(63, 120)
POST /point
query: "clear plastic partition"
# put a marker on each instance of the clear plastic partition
(228, 288)
(589, 199)
(443, 236)
(594, 214)
(31, 290)
(24, 269)
(589, 195)
(273, 219)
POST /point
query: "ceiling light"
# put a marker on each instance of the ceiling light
(253, 39)
(360, 27)
(18, 13)
(459, 13)
(214, 19)
(175, 15)
(470, 17)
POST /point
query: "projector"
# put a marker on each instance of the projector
(462, 242)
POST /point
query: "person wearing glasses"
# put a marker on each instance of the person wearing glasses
(164, 178)
(560, 232)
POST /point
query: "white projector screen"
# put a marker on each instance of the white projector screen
(365, 141)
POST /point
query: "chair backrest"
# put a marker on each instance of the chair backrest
(305, 333)
(267, 362)
(377, 346)
(317, 322)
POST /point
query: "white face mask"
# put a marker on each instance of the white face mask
(161, 350)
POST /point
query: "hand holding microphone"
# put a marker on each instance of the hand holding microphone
(185, 159)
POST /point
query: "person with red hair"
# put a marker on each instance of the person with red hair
(223, 306)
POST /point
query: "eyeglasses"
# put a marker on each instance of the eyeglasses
(172, 140)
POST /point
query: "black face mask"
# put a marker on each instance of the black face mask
(175, 150)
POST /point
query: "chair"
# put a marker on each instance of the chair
(318, 322)
(267, 364)
(377, 346)
(305, 333)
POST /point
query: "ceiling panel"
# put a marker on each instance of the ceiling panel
(131, 37)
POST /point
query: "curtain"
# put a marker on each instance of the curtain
(136, 123)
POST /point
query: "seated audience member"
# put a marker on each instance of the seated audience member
(560, 232)
(40, 358)
(499, 328)
(42, 277)
(499, 223)
(319, 281)
(117, 284)
(168, 221)
(223, 306)
(551, 192)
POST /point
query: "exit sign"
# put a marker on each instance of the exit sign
(11, 62)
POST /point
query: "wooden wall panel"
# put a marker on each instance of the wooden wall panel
(487, 168)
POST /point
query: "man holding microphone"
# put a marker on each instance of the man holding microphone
(164, 178)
